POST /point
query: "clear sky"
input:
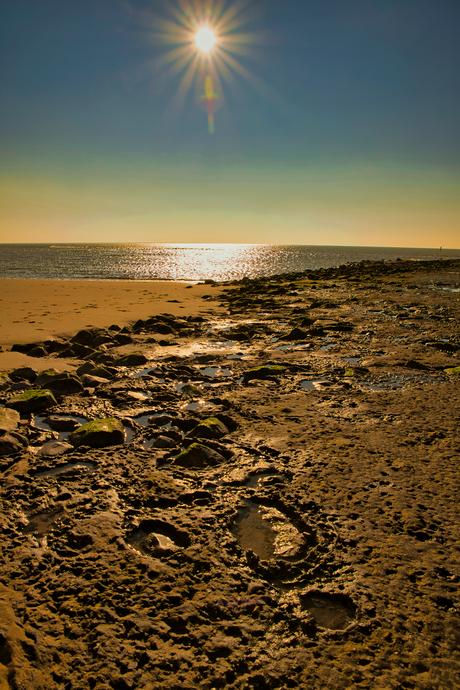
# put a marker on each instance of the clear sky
(337, 122)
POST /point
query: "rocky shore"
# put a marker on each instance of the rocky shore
(262, 497)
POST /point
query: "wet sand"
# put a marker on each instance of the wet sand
(282, 513)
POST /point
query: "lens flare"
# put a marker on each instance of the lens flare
(207, 44)
(205, 39)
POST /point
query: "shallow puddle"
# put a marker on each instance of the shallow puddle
(41, 522)
(352, 361)
(267, 532)
(142, 372)
(255, 479)
(253, 532)
(40, 422)
(314, 384)
(198, 405)
(90, 466)
(331, 611)
(215, 371)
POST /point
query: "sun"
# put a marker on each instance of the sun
(207, 45)
(205, 39)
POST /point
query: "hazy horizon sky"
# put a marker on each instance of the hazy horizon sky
(337, 123)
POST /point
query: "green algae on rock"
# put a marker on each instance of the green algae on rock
(198, 455)
(99, 433)
(61, 382)
(211, 428)
(133, 359)
(453, 371)
(32, 401)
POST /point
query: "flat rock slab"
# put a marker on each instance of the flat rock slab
(9, 419)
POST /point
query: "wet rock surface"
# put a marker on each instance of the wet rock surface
(279, 508)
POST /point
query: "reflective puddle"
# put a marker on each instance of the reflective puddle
(253, 532)
(90, 466)
(198, 405)
(215, 371)
(62, 423)
(314, 384)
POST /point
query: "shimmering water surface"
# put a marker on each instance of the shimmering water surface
(187, 262)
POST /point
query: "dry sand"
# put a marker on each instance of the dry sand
(35, 310)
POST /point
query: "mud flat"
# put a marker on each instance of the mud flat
(261, 494)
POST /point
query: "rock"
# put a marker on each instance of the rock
(102, 339)
(80, 350)
(38, 351)
(122, 339)
(413, 364)
(23, 348)
(21, 386)
(9, 419)
(24, 374)
(93, 381)
(263, 372)
(211, 428)
(51, 449)
(11, 443)
(161, 328)
(198, 455)
(444, 346)
(295, 334)
(99, 433)
(164, 442)
(62, 423)
(62, 382)
(133, 359)
(4, 382)
(84, 337)
(190, 389)
(92, 370)
(32, 401)
(452, 371)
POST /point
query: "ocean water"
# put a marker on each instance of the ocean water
(186, 262)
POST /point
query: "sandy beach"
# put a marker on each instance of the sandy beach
(34, 310)
(254, 487)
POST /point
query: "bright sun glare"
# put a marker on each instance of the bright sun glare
(205, 39)
(207, 44)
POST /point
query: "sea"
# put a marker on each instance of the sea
(188, 262)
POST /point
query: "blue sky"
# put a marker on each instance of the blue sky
(339, 125)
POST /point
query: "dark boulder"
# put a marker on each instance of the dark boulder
(32, 401)
(197, 456)
(99, 433)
